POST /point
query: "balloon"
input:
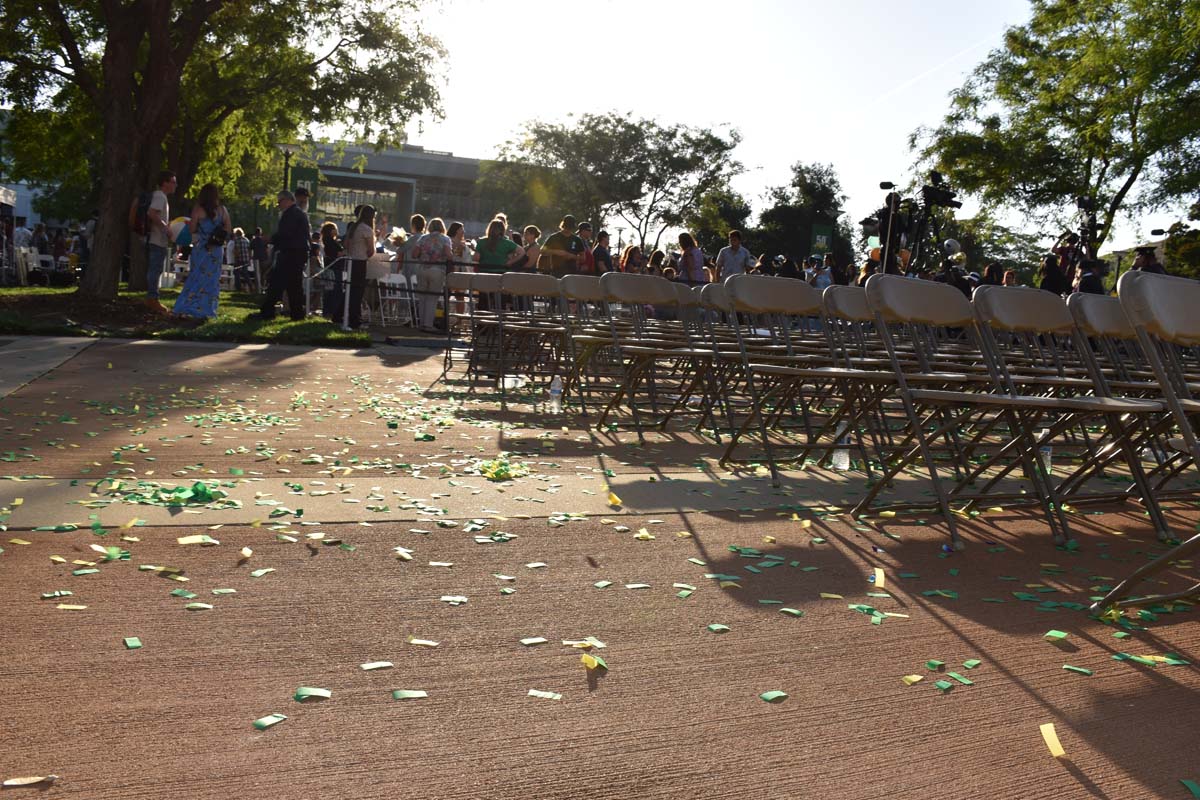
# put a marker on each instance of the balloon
(952, 246)
(181, 234)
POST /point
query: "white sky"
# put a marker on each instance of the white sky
(843, 82)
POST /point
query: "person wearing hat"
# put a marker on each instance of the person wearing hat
(1147, 261)
(563, 250)
(1090, 276)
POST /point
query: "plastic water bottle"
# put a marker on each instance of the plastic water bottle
(1045, 452)
(841, 456)
(556, 395)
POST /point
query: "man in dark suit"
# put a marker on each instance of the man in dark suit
(291, 242)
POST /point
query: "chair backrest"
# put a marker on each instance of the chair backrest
(686, 295)
(485, 282)
(529, 284)
(847, 303)
(1021, 309)
(714, 297)
(620, 287)
(1165, 306)
(899, 299)
(583, 288)
(1100, 316)
(762, 294)
(459, 281)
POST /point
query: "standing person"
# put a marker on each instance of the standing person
(496, 251)
(360, 246)
(601, 256)
(691, 261)
(258, 255)
(563, 250)
(1053, 278)
(993, 274)
(158, 237)
(633, 260)
(587, 263)
(291, 247)
(1091, 273)
(822, 273)
(242, 258)
(463, 254)
(22, 236)
(302, 198)
(40, 241)
(1147, 261)
(434, 250)
(210, 227)
(333, 300)
(407, 257)
(733, 259)
(533, 250)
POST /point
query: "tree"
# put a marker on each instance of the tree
(1091, 98)
(609, 165)
(161, 82)
(719, 211)
(811, 200)
(985, 241)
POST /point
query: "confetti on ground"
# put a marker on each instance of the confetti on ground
(1079, 670)
(545, 695)
(262, 723)
(773, 696)
(1050, 735)
(311, 693)
(409, 694)
(132, 643)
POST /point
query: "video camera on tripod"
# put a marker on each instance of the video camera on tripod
(907, 231)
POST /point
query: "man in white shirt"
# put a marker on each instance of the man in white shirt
(734, 259)
(158, 236)
(22, 236)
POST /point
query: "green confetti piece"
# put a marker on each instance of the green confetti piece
(792, 612)
(258, 573)
(262, 723)
(770, 602)
(960, 679)
(374, 665)
(1191, 786)
(85, 571)
(820, 540)
(972, 663)
(944, 686)
(934, 664)
(545, 695)
(1121, 635)
(909, 575)
(224, 591)
(698, 562)
(717, 627)
(57, 594)
(311, 692)
(184, 593)
(637, 586)
(1080, 670)
(508, 590)
(198, 607)
(773, 696)
(1055, 635)
(409, 694)
(132, 643)
(684, 594)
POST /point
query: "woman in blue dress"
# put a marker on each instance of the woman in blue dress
(202, 289)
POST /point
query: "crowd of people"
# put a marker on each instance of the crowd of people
(431, 247)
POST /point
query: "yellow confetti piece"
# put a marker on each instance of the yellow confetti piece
(589, 661)
(58, 559)
(199, 538)
(131, 523)
(887, 514)
(769, 539)
(613, 500)
(831, 596)
(909, 680)
(245, 552)
(19, 541)
(880, 580)
(1051, 737)
(19, 501)
(684, 534)
(68, 607)
(730, 585)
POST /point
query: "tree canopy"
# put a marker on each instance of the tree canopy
(611, 167)
(206, 87)
(810, 202)
(1092, 98)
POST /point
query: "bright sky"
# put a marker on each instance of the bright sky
(843, 82)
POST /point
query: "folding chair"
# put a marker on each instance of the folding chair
(1162, 310)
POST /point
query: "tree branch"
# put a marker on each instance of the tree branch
(84, 79)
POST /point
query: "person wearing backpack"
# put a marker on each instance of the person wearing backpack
(210, 228)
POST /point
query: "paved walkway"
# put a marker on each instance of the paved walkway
(356, 483)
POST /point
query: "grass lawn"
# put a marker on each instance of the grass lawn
(60, 311)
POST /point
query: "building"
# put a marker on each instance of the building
(398, 183)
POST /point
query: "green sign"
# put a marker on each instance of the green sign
(822, 239)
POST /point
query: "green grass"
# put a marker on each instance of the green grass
(58, 311)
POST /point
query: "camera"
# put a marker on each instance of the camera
(1085, 203)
